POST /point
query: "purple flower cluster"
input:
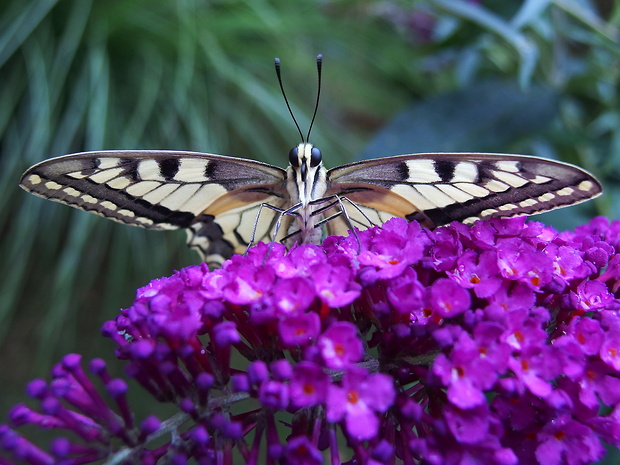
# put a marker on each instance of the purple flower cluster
(497, 343)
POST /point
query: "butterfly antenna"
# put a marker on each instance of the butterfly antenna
(277, 62)
(319, 62)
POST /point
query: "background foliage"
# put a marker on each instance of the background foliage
(535, 76)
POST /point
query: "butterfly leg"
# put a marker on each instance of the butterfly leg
(292, 211)
(331, 202)
(280, 212)
(361, 212)
(275, 228)
(347, 218)
(338, 200)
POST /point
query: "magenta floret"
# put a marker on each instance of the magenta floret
(497, 343)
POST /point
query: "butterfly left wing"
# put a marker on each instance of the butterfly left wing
(437, 188)
(214, 196)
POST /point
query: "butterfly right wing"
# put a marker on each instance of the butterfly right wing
(213, 196)
(437, 188)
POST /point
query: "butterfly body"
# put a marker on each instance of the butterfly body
(225, 202)
(306, 184)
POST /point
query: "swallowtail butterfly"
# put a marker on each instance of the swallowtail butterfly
(227, 203)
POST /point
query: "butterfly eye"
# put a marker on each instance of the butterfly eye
(315, 157)
(293, 158)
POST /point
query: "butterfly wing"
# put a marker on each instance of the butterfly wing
(214, 196)
(437, 188)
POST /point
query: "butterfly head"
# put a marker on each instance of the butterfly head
(307, 178)
(306, 173)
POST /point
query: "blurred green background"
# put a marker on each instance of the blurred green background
(535, 77)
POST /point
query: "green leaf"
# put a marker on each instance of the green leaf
(530, 11)
(488, 116)
(588, 16)
(525, 47)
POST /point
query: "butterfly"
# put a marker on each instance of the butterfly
(227, 204)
